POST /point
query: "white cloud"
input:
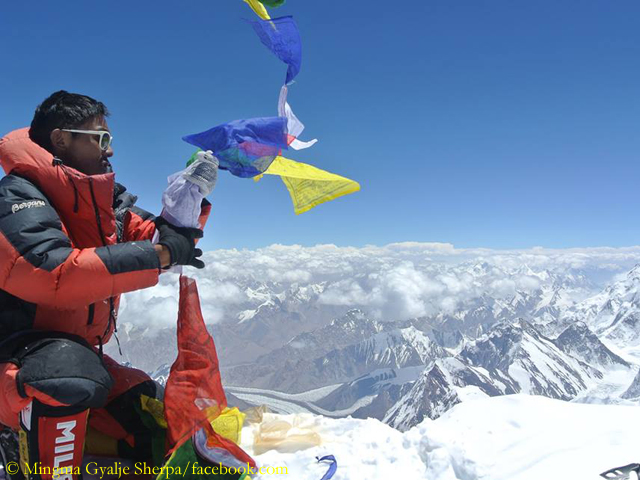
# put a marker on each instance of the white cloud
(503, 287)
(396, 281)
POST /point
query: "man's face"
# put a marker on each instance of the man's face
(81, 150)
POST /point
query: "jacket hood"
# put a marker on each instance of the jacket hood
(78, 198)
(20, 155)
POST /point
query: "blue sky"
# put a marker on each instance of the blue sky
(495, 123)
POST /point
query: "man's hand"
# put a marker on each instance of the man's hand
(178, 244)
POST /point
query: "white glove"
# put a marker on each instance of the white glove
(203, 172)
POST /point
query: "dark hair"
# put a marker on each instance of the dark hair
(63, 110)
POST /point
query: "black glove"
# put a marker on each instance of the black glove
(181, 243)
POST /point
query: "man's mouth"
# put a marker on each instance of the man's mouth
(106, 164)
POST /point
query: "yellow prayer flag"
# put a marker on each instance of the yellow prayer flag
(155, 407)
(310, 186)
(257, 7)
(229, 424)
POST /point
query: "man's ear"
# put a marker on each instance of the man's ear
(59, 140)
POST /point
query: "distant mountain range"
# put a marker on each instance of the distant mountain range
(560, 338)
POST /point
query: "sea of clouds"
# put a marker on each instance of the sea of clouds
(395, 281)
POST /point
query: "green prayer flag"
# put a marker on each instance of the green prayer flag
(272, 3)
(184, 463)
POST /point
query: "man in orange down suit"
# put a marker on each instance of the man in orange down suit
(71, 242)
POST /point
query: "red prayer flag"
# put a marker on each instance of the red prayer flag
(194, 395)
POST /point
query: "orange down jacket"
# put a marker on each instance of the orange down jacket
(70, 244)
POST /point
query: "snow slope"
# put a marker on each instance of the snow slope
(513, 437)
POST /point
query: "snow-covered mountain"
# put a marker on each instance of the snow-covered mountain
(580, 342)
(337, 353)
(512, 358)
(516, 353)
(518, 357)
(438, 389)
(614, 314)
(633, 392)
(403, 339)
(411, 378)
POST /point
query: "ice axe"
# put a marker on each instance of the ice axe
(622, 473)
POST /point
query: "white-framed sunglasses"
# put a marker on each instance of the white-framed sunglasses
(105, 137)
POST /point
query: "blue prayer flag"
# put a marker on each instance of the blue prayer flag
(244, 147)
(332, 468)
(281, 36)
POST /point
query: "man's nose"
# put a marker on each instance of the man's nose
(109, 152)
